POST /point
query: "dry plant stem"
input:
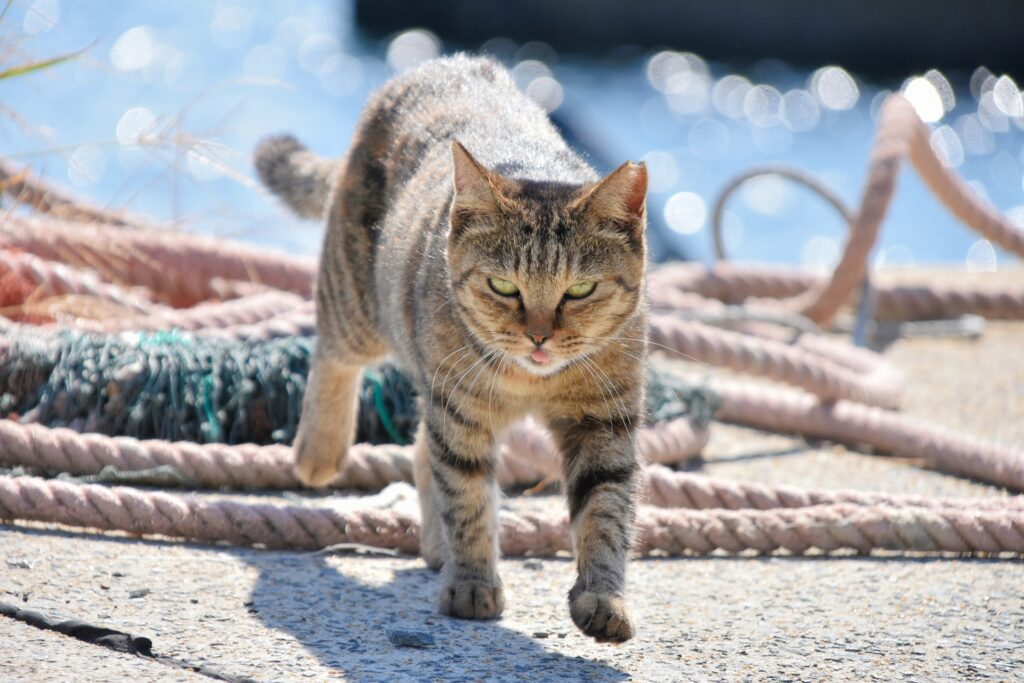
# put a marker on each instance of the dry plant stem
(24, 188)
(669, 531)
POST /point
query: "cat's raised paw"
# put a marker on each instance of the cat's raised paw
(602, 616)
(317, 463)
(471, 599)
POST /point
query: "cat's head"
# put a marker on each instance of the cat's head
(545, 273)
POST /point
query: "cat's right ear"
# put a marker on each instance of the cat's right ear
(474, 187)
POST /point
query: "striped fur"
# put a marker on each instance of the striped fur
(455, 177)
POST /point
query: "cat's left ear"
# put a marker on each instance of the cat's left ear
(621, 197)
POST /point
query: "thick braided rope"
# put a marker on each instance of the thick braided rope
(735, 283)
(245, 311)
(667, 488)
(674, 532)
(901, 133)
(57, 279)
(814, 366)
(300, 322)
(886, 431)
(527, 456)
(177, 266)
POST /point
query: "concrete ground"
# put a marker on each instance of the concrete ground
(279, 616)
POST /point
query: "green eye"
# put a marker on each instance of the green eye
(503, 287)
(581, 290)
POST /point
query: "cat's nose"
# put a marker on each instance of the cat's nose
(538, 339)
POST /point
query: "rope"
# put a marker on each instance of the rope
(901, 133)
(48, 279)
(250, 309)
(812, 366)
(211, 381)
(674, 532)
(178, 266)
(794, 174)
(885, 431)
(527, 456)
(736, 283)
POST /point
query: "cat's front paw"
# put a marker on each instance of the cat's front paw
(472, 599)
(317, 460)
(602, 616)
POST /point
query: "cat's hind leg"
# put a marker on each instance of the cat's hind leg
(328, 423)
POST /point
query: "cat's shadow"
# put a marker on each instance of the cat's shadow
(342, 615)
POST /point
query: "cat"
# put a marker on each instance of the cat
(465, 238)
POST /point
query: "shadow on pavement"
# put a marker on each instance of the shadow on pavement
(344, 621)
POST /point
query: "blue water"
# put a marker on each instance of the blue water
(162, 109)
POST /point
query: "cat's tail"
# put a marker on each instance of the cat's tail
(295, 174)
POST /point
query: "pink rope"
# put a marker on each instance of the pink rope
(666, 488)
(886, 431)
(178, 266)
(814, 366)
(527, 456)
(674, 532)
(253, 309)
(56, 279)
(844, 386)
(737, 283)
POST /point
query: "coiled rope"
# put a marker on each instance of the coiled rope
(838, 393)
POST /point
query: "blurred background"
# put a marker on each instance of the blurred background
(162, 104)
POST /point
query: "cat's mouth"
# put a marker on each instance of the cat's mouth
(540, 357)
(540, 362)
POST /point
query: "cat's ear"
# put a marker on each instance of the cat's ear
(474, 184)
(620, 197)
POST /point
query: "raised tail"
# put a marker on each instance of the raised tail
(295, 174)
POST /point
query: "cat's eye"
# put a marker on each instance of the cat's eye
(581, 290)
(503, 287)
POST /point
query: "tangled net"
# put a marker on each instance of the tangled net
(177, 387)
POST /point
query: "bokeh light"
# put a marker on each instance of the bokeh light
(411, 48)
(981, 258)
(761, 105)
(834, 88)
(728, 95)
(685, 212)
(134, 125)
(820, 254)
(87, 165)
(662, 171)
(925, 99)
(133, 49)
(799, 110)
(947, 146)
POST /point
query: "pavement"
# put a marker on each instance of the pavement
(287, 616)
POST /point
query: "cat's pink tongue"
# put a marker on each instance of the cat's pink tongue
(539, 356)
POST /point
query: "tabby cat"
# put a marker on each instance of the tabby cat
(465, 238)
